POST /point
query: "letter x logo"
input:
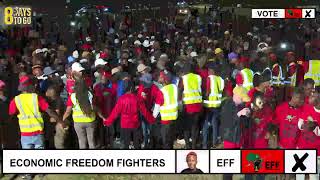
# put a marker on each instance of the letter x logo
(308, 14)
(299, 162)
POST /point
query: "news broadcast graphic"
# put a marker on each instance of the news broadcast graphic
(197, 158)
(283, 13)
(16, 15)
(301, 161)
(262, 161)
(225, 161)
(88, 161)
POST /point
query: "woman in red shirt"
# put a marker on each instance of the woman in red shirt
(128, 107)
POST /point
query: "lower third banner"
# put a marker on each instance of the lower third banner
(88, 161)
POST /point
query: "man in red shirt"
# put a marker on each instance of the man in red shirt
(106, 96)
(286, 117)
(128, 107)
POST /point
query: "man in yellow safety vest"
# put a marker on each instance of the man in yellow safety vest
(244, 78)
(28, 105)
(313, 72)
(190, 86)
(214, 90)
(167, 105)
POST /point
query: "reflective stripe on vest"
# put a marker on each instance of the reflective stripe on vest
(77, 114)
(314, 71)
(277, 80)
(216, 89)
(169, 110)
(191, 89)
(291, 81)
(30, 119)
(247, 75)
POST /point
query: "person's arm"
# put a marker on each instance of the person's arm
(67, 113)
(144, 111)
(114, 114)
(158, 104)
(13, 108)
(44, 107)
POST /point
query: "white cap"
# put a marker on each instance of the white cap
(45, 49)
(153, 37)
(147, 37)
(77, 67)
(88, 39)
(186, 37)
(153, 59)
(176, 33)
(140, 36)
(151, 43)
(83, 61)
(75, 54)
(193, 54)
(318, 30)
(99, 62)
(210, 41)
(167, 41)
(116, 41)
(164, 55)
(249, 34)
(146, 43)
(37, 51)
(137, 42)
(130, 36)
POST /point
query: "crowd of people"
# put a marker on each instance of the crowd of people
(191, 89)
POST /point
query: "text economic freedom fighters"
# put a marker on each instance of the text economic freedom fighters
(87, 162)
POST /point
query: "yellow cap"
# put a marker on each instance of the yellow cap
(241, 92)
(217, 51)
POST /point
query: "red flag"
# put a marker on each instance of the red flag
(293, 13)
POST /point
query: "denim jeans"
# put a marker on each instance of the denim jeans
(212, 118)
(32, 142)
(258, 177)
(145, 131)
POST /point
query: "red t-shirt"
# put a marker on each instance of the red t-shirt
(43, 106)
(105, 98)
(286, 118)
(128, 108)
(261, 120)
(309, 139)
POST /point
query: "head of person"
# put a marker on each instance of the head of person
(77, 70)
(297, 99)
(213, 69)
(37, 70)
(26, 84)
(192, 160)
(187, 68)
(314, 99)
(2, 87)
(240, 95)
(219, 53)
(308, 86)
(290, 57)
(82, 95)
(164, 77)
(258, 101)
(52, 92)
(128, 86)
(143, 69)
(263, 82)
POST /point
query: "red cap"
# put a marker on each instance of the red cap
(25, 81)
(103, 55)
(106, 74)
(244, 59)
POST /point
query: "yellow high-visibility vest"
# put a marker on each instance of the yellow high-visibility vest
(216, 90)
(314, 71)
(30, 119)
(169, 110)
(291, 80)
(247, 75)
(77, 114)
(192, 89)
(277, 80)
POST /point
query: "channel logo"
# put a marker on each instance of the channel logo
(17, 15)
(262, 161)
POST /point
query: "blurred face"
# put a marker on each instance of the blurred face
(314, 99)
(237, 99)
(50, 93)
(192, 162)
(297, 100)
(259, 102)
(37, 72)
(265, 85)
(308, 89)
(104, 80)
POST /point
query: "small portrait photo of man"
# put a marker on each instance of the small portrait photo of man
(192, 162)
